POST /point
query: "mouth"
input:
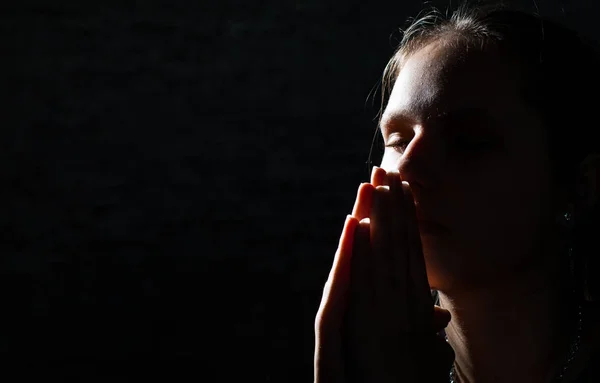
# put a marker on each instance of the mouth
(432, 228)
(428, 225)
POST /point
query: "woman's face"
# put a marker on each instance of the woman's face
(475, 155)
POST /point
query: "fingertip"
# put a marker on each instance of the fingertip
(442, 312)
(363, 230)
(379, 176)
(395, 181)
(362, 206)
(374, 173)
(440, 308)
(350, 220)
(366, 192)
(441, 320)
(365, 187)
(349, 225)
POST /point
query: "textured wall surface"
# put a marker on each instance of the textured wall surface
(176, 174)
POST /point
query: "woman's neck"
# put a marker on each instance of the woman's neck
(511, 332)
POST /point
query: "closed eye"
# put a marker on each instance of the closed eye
(399, 145)
(460, 143)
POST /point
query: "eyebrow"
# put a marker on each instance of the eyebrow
(464, 115)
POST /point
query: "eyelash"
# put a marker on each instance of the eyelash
(460, 142)
(399, 145)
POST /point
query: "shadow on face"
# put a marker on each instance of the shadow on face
(458, 130)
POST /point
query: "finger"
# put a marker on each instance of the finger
(441, 318)
(378, 176)
(422, 290)
(360, 298)
(362, 206)
(328, 360)
(418, 268)
(399, 250)
(399, 236)
(337, 285)
(362, 268)
(380, 244)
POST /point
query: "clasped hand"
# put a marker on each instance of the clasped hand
(377, 322)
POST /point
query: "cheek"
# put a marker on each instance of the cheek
(503, 222)
(493, 221)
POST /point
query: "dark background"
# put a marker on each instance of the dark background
(175, 176)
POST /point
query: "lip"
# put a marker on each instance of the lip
(425, 217)
(431, 227)
(426, 224)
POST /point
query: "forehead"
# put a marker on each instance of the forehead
(440, 78)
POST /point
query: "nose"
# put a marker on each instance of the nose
(421, 163)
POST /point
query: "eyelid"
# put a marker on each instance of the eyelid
(400, 136)
(398, 143)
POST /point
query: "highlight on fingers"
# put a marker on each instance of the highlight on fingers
(378, 176)
(362, 206)
(336, 287)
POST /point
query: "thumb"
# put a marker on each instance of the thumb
(441, 318)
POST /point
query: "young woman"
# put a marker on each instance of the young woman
(485, 197)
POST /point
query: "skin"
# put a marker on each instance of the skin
(465, 150)
(377, 321)
(497, 268)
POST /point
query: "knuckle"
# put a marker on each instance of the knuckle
(318, 322)
(320, 319)
(322, 323)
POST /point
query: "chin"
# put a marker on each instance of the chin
(434, 276)
(440, 268)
